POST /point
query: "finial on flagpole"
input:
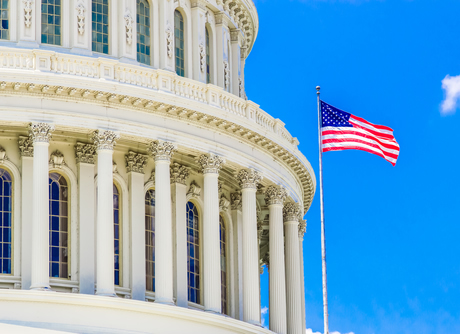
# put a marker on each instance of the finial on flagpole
(318, 89)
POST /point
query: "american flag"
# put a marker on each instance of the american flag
(343, 131)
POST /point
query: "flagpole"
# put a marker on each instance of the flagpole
(323, 229)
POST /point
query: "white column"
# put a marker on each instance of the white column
(85, 156)
(166, 34)
(27, 153)
(135, 164)
(274, 197)
(236, 39)
(211, 164)
(40, 134)
(162, 152)
(302, 230)
(249, 179)
(238, 253)
(294, 305)
(179, 175)
(198, 44)
(221, 25)
(105, 142)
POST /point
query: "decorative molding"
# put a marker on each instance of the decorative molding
(85, 153)
(236, 201)
(26, 146)
(275, 195)
(114, 167)
(17, 286)
(302, 228)
(266, 260)
(224, 203)
(40, 132)
(135, 162)
(194, 190)
(3, 156)
(210, 163)
(161, 150)
(291, 212)
(57, 159)
(226, 74)
(202, 58)
(81, 17)
(219, 186)
(170, 42)
(260, 230)
(129, 26)
(249, 178)
(105, 139)
(179, 173)
(28, 12)
(75, 290)
(152, 177)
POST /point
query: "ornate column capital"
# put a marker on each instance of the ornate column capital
(85, 153)
(105, 139)
(249, 178)
(179, 173)
(40, 132)
(235, 199)
(26, 146)
(291, 212)
(302, 228)
(210, 163)
(135, 162)
(275, 195)
(161, 150)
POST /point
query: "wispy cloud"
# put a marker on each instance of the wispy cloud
(310, 331)
(264, 312)
(451, 86)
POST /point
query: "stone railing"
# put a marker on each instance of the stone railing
(141, 76)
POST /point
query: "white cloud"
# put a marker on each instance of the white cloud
(264, 310)
(310, 331)
(451, 85)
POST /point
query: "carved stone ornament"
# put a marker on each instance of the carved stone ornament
(3, 156)
(57, 159)
(291, 212)
(162, 150)
(28, 12)
(275, 195)
(224, 203)
(169, 42)
(26, 146)
(114, 167)
(210, 163)
(219, 186)
(226, 74)
(40, 132)
(266, 260)
(202, 58)
(260, 230)
(194, 190)
(135, 162)
(105, 140)
(302, 228)
(179, 173)
(249, 178)
(236, 201)
(152, 177)
(129, 27)
(85, 153)
(81, 10)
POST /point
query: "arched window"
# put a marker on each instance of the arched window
(59, 226)
(208, 57)
(223, 265)
(143, 32)
(6, 198)
(179, 43)
(150, 239)
(117, 232)
(51, 21)
(193, 253)
(4, 20)
(100, 26)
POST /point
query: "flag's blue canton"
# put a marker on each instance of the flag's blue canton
(334, 117)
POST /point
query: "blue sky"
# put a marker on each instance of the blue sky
(392, 232)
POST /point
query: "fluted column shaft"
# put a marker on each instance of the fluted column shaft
(294, 304)
(249, 180)
(164, 285)
(211, 165)
(302, 229)
(105, 141)
(40, 134)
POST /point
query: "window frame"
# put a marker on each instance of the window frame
(61, 36)
(109, 24)
(145, 231)
(8, 31)
(12, 237)
(227, 260)
(120, 236)
(150, 37)
(198, 207)
(184, 50)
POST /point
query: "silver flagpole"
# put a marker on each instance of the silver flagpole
(323, 229)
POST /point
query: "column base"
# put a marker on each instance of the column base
(165, 302)
(103, 294)
(41, 288)
(215, 312)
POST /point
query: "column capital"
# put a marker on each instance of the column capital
(40, 132)
(135, 162)
(235, 199)
(179, 173)
(275, 195)
(249, 178)
(291, 212)
(26, 146)
(105, 139)
(85, 153)
(302, 228)
(162, 150)
(210, 163)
